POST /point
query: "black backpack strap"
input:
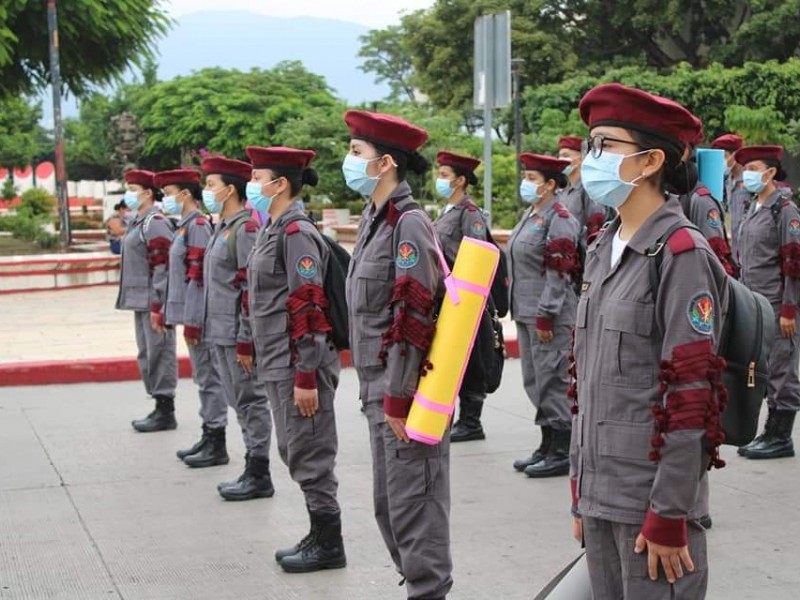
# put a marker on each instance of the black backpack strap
(656, 254)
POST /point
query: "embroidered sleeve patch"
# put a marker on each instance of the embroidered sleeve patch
(701, 313)
(478, 228)
(794, 227)
(537, 224)
(714, 219)
(307, 267)
(407, 255)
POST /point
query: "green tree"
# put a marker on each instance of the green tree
(87, 149)
(387, 56)
(21, 136)
(99, 40)
(764, 125)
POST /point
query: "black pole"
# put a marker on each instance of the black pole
(58, 126)
(516, 66)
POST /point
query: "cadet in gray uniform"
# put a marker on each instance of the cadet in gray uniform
(648, 387)
(295, 356)
(184, 306)
(460, 217)
(543, 258)
(770, 251)
(143, 289)
(393, 280)
(591, 216)
(225, 323)
(706, 213)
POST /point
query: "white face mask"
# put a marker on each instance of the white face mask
(602, 180)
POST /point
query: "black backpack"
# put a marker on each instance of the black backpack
(484, 371)
(499, 293)
(334, 284)
(748, 333)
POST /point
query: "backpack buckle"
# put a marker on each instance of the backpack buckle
(656, 250)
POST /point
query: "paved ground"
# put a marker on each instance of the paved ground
(89, 510)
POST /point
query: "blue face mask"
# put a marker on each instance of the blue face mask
(210, 202)
(569, 170)
(354, 169)
(529, 192)
(753, 181)
(131, 200)
(443, 188)
(172, 206)
(602, 181)
(257, 200)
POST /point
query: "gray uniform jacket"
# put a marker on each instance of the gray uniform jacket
(145, 258)
(185, 286)
(393, 278)
(287, 302)
(457, 221)
(707, 215)
(543, 259)
(590, 215)
(646, 425)
(225, 283)
(770, 252)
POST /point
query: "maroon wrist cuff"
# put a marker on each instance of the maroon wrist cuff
(396, 407)
(663, 531)
(573, 488)
(162, 319)
(244, 348)
(305, 380)
(544, 324)
(155, 307)
(788, 311)
(193, 333)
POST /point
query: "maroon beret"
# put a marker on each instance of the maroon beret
(751, 153)
(219, 165)
(617, 105)
(730, 142)
(571, 142)
(140, 177)
(540, 162)
(457, 161)
(177, 177)
(279, 156)
(385, 130)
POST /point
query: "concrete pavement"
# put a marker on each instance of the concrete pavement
(89, 509)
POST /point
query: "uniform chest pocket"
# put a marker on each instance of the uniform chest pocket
(373, 287)
(629, 355)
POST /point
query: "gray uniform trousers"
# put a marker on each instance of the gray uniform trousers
(545, 374)
(308, 445)
(783, 387)
(411, 495)
(205, 373)
(156, 357)
(248, 397)
(618, 573)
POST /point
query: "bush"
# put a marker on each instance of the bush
(23, 227)
(46, 240)
(9, 190)
(37, 203)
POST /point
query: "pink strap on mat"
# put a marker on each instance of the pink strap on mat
(433, 406)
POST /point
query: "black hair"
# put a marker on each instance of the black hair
(677, 176)
(297, 178)
(239, 184)
(466, 174)
(780, 173)
(193, 188)
(158, 195)
(414, 161)
(559, 177)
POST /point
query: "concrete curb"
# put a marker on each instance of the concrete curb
(104, 370)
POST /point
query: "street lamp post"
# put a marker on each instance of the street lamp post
(516, 68)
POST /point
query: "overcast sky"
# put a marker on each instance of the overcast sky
(374, 14)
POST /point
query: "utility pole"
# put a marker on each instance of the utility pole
(58, 125)
(516, 71)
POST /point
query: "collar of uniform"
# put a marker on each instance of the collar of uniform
(192, 215)
(772, 198)
(403, 190)
(546, 209)
(294, 208)
(655, 226)
(142, 216)
(227, 220)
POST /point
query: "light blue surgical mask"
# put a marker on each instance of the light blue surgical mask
(211, 203)
(354, 169)
(753, 181)
(257, 200)
(443, 188)
(131, 199)
(529, 192)
(602, 180)
(569, 170)
(172, 206)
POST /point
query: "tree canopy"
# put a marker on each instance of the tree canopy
(22, 138)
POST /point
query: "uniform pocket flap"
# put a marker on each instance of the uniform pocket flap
(630, 317)
(621, 439)
(583, 311)
(374, 270)
(369, 351)
(272, 325)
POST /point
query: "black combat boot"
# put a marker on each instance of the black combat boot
(256, 482)
(468, 427)
(556, 461)
(539, 453)
(242, 476)
(214, 453)
(778, 443)
(769, 426)
(161, 419)
(197, 447)
(325, 550)
(312, 532)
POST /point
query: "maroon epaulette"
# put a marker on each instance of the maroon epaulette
(201, 221)
(470, 205)
(703, 191)
(251, 227)
(681, 241)
(392, 214)
(786, 203)
(292, 228)
(561, 211)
